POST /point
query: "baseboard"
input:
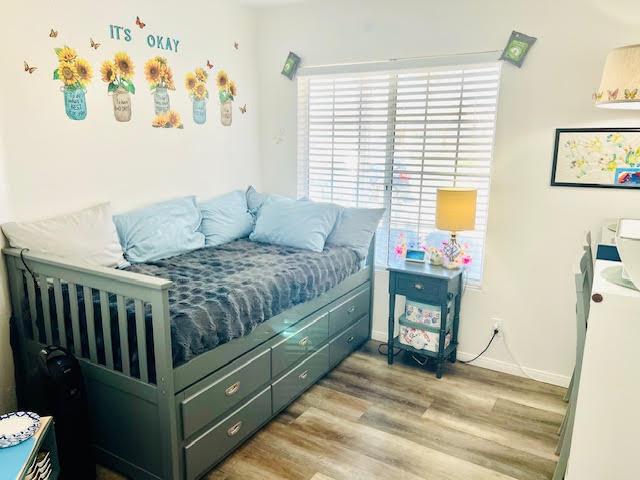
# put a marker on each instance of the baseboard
(501, 366)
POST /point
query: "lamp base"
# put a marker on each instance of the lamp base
(451, 249)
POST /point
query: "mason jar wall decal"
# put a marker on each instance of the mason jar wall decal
(227, 91)
(75, 74)
(118, 74)
(160, 78)
(196, 84)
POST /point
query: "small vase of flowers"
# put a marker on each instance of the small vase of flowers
(160, 79)
(75, 73)
(118, 74)
(227, 91)
(195, 82)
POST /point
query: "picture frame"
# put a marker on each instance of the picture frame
(596, 158)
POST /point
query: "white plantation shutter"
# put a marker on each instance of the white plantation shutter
(390, 139)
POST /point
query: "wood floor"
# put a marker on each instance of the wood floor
(367, 420)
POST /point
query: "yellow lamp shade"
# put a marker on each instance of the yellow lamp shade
(456, 209)
(620, 84)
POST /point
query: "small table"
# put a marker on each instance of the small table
(422, 282)
(16, 461)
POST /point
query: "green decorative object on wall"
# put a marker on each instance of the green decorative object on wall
(291, 66)
(517, 48)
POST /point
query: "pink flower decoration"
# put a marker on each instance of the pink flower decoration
(399, 249)
(466, 260)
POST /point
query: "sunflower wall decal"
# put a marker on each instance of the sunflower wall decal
(118, 74)
(170, 119)
(160, 78)
(75, 73)
(227, 91)
(196, 84)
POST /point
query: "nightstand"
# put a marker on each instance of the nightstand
(422, 282)
(16, 462)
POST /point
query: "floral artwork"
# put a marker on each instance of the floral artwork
(597, 158)
(160, 78)
(170, 119)
(196, 84)
(227, 91)
(75, 73)
(118, 75)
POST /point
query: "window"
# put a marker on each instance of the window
(390, 139)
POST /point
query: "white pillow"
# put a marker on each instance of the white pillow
(88, 236)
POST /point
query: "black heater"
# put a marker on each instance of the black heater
(65, 400)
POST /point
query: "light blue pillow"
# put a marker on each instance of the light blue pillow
(255, 199)
(355, 228)
(225, 218)
(300, 224)
(160, 231)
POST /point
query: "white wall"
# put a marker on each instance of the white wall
(534, 230)
(52, 164)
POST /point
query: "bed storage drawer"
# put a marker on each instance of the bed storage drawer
(348, 311)
(205, 405)
(298, 342)
(345, 343)
(300, 378)
(211, 446)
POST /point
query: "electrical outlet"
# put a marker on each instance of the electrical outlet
(497, 325)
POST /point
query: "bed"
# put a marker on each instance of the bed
(185, 358)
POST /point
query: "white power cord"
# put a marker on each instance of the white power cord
(513, 357)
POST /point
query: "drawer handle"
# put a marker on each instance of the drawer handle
(304, 342)
(351, 309)
(418, 286)
(232, 389)
(234, 429)
(304, 375)
(351, 339)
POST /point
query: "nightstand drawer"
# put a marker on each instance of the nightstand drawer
(427, 289)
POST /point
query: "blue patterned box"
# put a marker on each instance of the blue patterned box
(417, 312)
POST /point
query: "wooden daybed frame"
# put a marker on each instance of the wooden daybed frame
(192, 416)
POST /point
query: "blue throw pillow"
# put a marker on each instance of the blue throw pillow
(300, 224)
(225, 218)
(160, 231)
(255, 199)
(355, 228)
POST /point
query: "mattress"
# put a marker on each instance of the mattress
(221, 293)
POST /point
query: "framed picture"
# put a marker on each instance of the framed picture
(596, 157)
(291, 65)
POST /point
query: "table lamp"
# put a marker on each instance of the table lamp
(455, 212)
(620, 84)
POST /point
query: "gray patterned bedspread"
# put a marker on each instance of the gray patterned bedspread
(219, 294)
(222, 293)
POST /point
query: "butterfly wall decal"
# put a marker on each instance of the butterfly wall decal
(29, 69)
(209, 64)
(53, 33)
(630, 94)
(243, 109)
(236, 45)
(94, 45)
(597, 96)
(140, 23)
(613, 94)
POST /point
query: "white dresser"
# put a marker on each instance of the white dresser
(606, 434)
